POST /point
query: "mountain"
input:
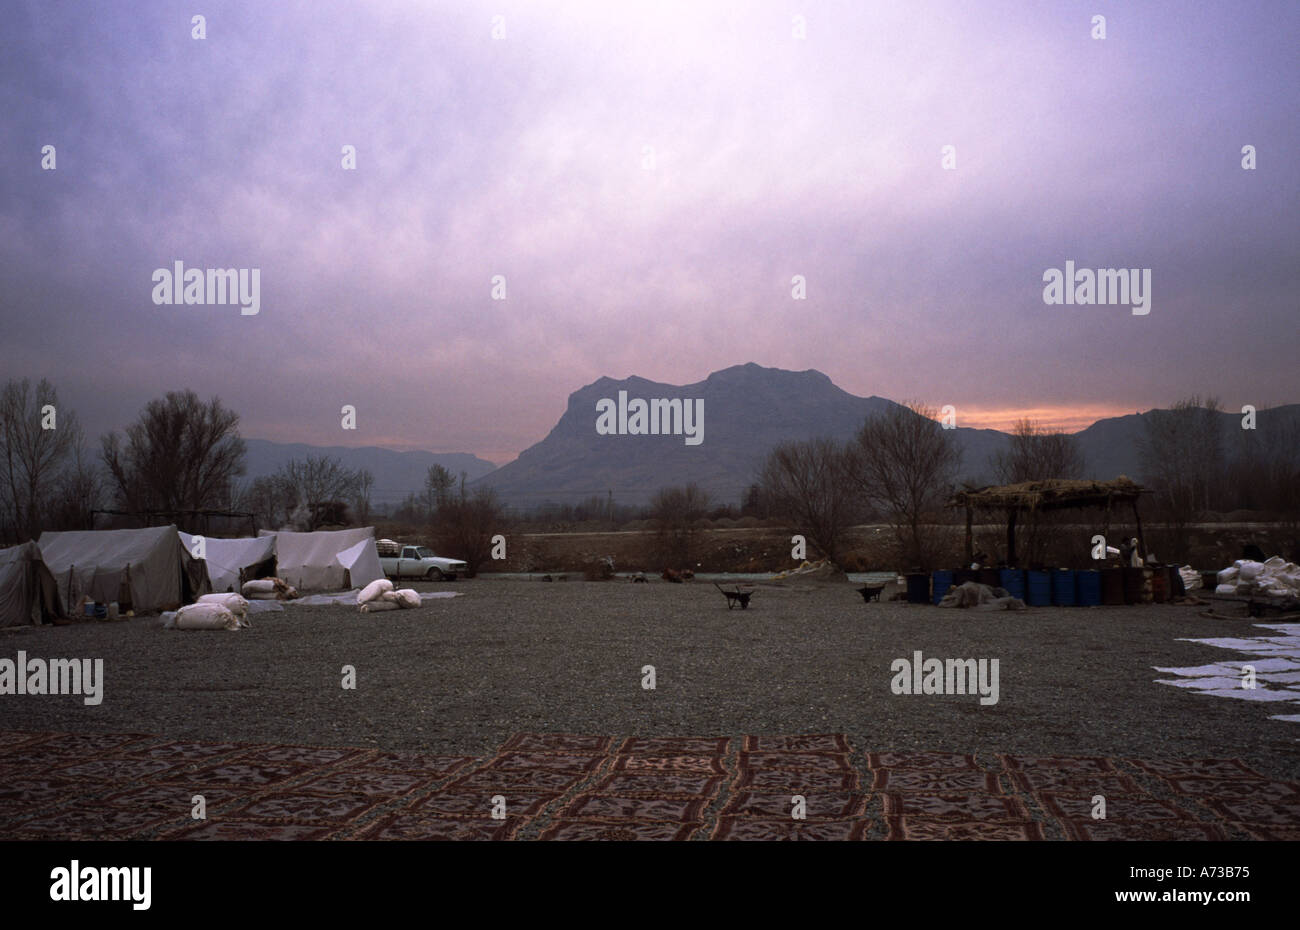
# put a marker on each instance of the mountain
(748, 409)
(1110, 446)
(396, 473)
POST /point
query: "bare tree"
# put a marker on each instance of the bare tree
(271, 500)
(1035, 454)
(36, 441)
(361, 495)
(677, 514)
(1264, 471)
(466, 524)
(438, 484)
(1183, 457)
(321, 485)
(78, 492)
(904, 464)
(804, 482)
(181, 455)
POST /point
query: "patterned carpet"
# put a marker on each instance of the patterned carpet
(568, 787)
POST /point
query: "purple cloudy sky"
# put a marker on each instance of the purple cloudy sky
(523, 157)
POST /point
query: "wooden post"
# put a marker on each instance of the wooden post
(1142, 546)
(970, 540)
(1011, 538)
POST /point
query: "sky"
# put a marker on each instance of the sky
(648, 178)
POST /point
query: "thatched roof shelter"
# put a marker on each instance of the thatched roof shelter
(1048, 494)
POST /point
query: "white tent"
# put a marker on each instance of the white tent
(327, 560)
(27, 590)
(228, 559)
(148, 569)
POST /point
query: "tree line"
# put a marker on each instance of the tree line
(182, 459)
(183, 456)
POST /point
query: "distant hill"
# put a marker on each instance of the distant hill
(396, 473)
(1110, 446)
(748, 410)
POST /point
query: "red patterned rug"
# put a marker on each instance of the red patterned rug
(563, 786)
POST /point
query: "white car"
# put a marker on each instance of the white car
(420, 562)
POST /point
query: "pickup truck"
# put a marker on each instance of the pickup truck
(420, 562)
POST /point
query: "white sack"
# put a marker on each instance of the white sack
(407, 597)
(206, 617)
(372, 591)
(376, 606)
(232, 602)
(1249, 571)
(262, 588)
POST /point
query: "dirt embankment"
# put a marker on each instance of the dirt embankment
(868, 548)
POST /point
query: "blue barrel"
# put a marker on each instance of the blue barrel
(1038, 588)
(942, 582)
(1087, 588)
(1063, 587)
(918, 588)
(1013, 579)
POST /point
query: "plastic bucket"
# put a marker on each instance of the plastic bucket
(1087, 588)
(1133, 578)
(1038, 588)
(918, 588)
(942, 582)
(1013, 579)
(1112, 586)
(1063, 587)
(1160, 584)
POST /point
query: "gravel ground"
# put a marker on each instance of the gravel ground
(460, 675)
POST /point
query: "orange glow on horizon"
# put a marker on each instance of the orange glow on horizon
(1064, 419)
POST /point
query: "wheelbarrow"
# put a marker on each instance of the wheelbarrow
(735, 597)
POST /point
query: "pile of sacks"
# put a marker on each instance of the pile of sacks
(1273, 577)
(1191, 578)
(269, 589)
(981, 597)
(211, 612)
(379, 595)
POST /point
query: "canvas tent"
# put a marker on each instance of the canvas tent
(27, 590)
(231, 562)
(327, 560)
(148, 569)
